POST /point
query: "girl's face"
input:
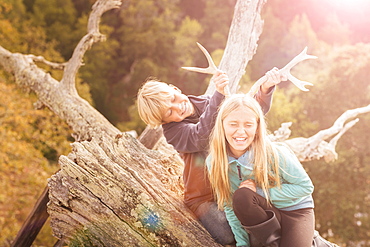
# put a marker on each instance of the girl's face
(240, 129)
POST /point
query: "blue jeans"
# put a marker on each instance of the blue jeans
(215, 223)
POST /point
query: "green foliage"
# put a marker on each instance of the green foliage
(341, 82)
(31, 142)
(58, 18)
(342, 187)
(286, 109)
(216, 20)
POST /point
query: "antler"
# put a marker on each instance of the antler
(211, 69)
(286, 70)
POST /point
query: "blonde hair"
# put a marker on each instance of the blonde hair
(152, 100)
(264, 157)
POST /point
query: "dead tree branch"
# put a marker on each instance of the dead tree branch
(317, 146)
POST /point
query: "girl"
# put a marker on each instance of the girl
(261, 185)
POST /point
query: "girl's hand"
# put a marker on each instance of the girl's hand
(221, 80)
(274, 77)
(249, 183)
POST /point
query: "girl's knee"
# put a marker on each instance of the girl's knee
(244, 199)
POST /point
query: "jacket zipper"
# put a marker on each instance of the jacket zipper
(239, 172)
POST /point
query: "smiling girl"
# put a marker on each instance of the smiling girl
(261, 185)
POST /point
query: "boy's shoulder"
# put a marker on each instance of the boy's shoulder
(200, 97)
(200, 104)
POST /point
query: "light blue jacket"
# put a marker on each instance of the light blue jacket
(295, 191)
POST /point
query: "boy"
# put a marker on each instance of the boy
(187, 122)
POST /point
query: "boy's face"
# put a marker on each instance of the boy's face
(180, 107)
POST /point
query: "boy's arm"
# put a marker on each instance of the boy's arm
(264, 95)
(265, 99)
(189, 137)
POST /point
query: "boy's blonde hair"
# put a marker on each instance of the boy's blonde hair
(264, 156)
(152, 100)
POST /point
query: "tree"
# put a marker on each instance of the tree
(111, 189)
(143, 38)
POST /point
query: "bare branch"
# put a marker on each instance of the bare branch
(93, 36)
(316, 146)
(41, 59)
(282, 133)
(84, 120)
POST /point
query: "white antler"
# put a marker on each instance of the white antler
(286, 70)
(211, 69)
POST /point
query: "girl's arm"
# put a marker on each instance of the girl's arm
(296, 185)
(240, 235)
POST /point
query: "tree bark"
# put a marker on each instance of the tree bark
(245, 30)
(111, 189)
(114, 192)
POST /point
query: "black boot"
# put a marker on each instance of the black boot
(268, 232)
(319, 241)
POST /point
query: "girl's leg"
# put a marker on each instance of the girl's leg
(297, 228)
(257, 217)
(250, 208)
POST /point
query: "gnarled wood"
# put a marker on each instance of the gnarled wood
(317, 146)
(117, 191)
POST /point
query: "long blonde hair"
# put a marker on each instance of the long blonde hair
(264, 158)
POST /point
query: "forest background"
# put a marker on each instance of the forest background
(156, 38)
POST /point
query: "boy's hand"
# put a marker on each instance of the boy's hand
(274, 77)
(221, 80)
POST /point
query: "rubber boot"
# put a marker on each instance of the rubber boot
(268, 232)
(254, 242)
(319, 241)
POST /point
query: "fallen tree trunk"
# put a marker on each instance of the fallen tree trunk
(111, 192)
